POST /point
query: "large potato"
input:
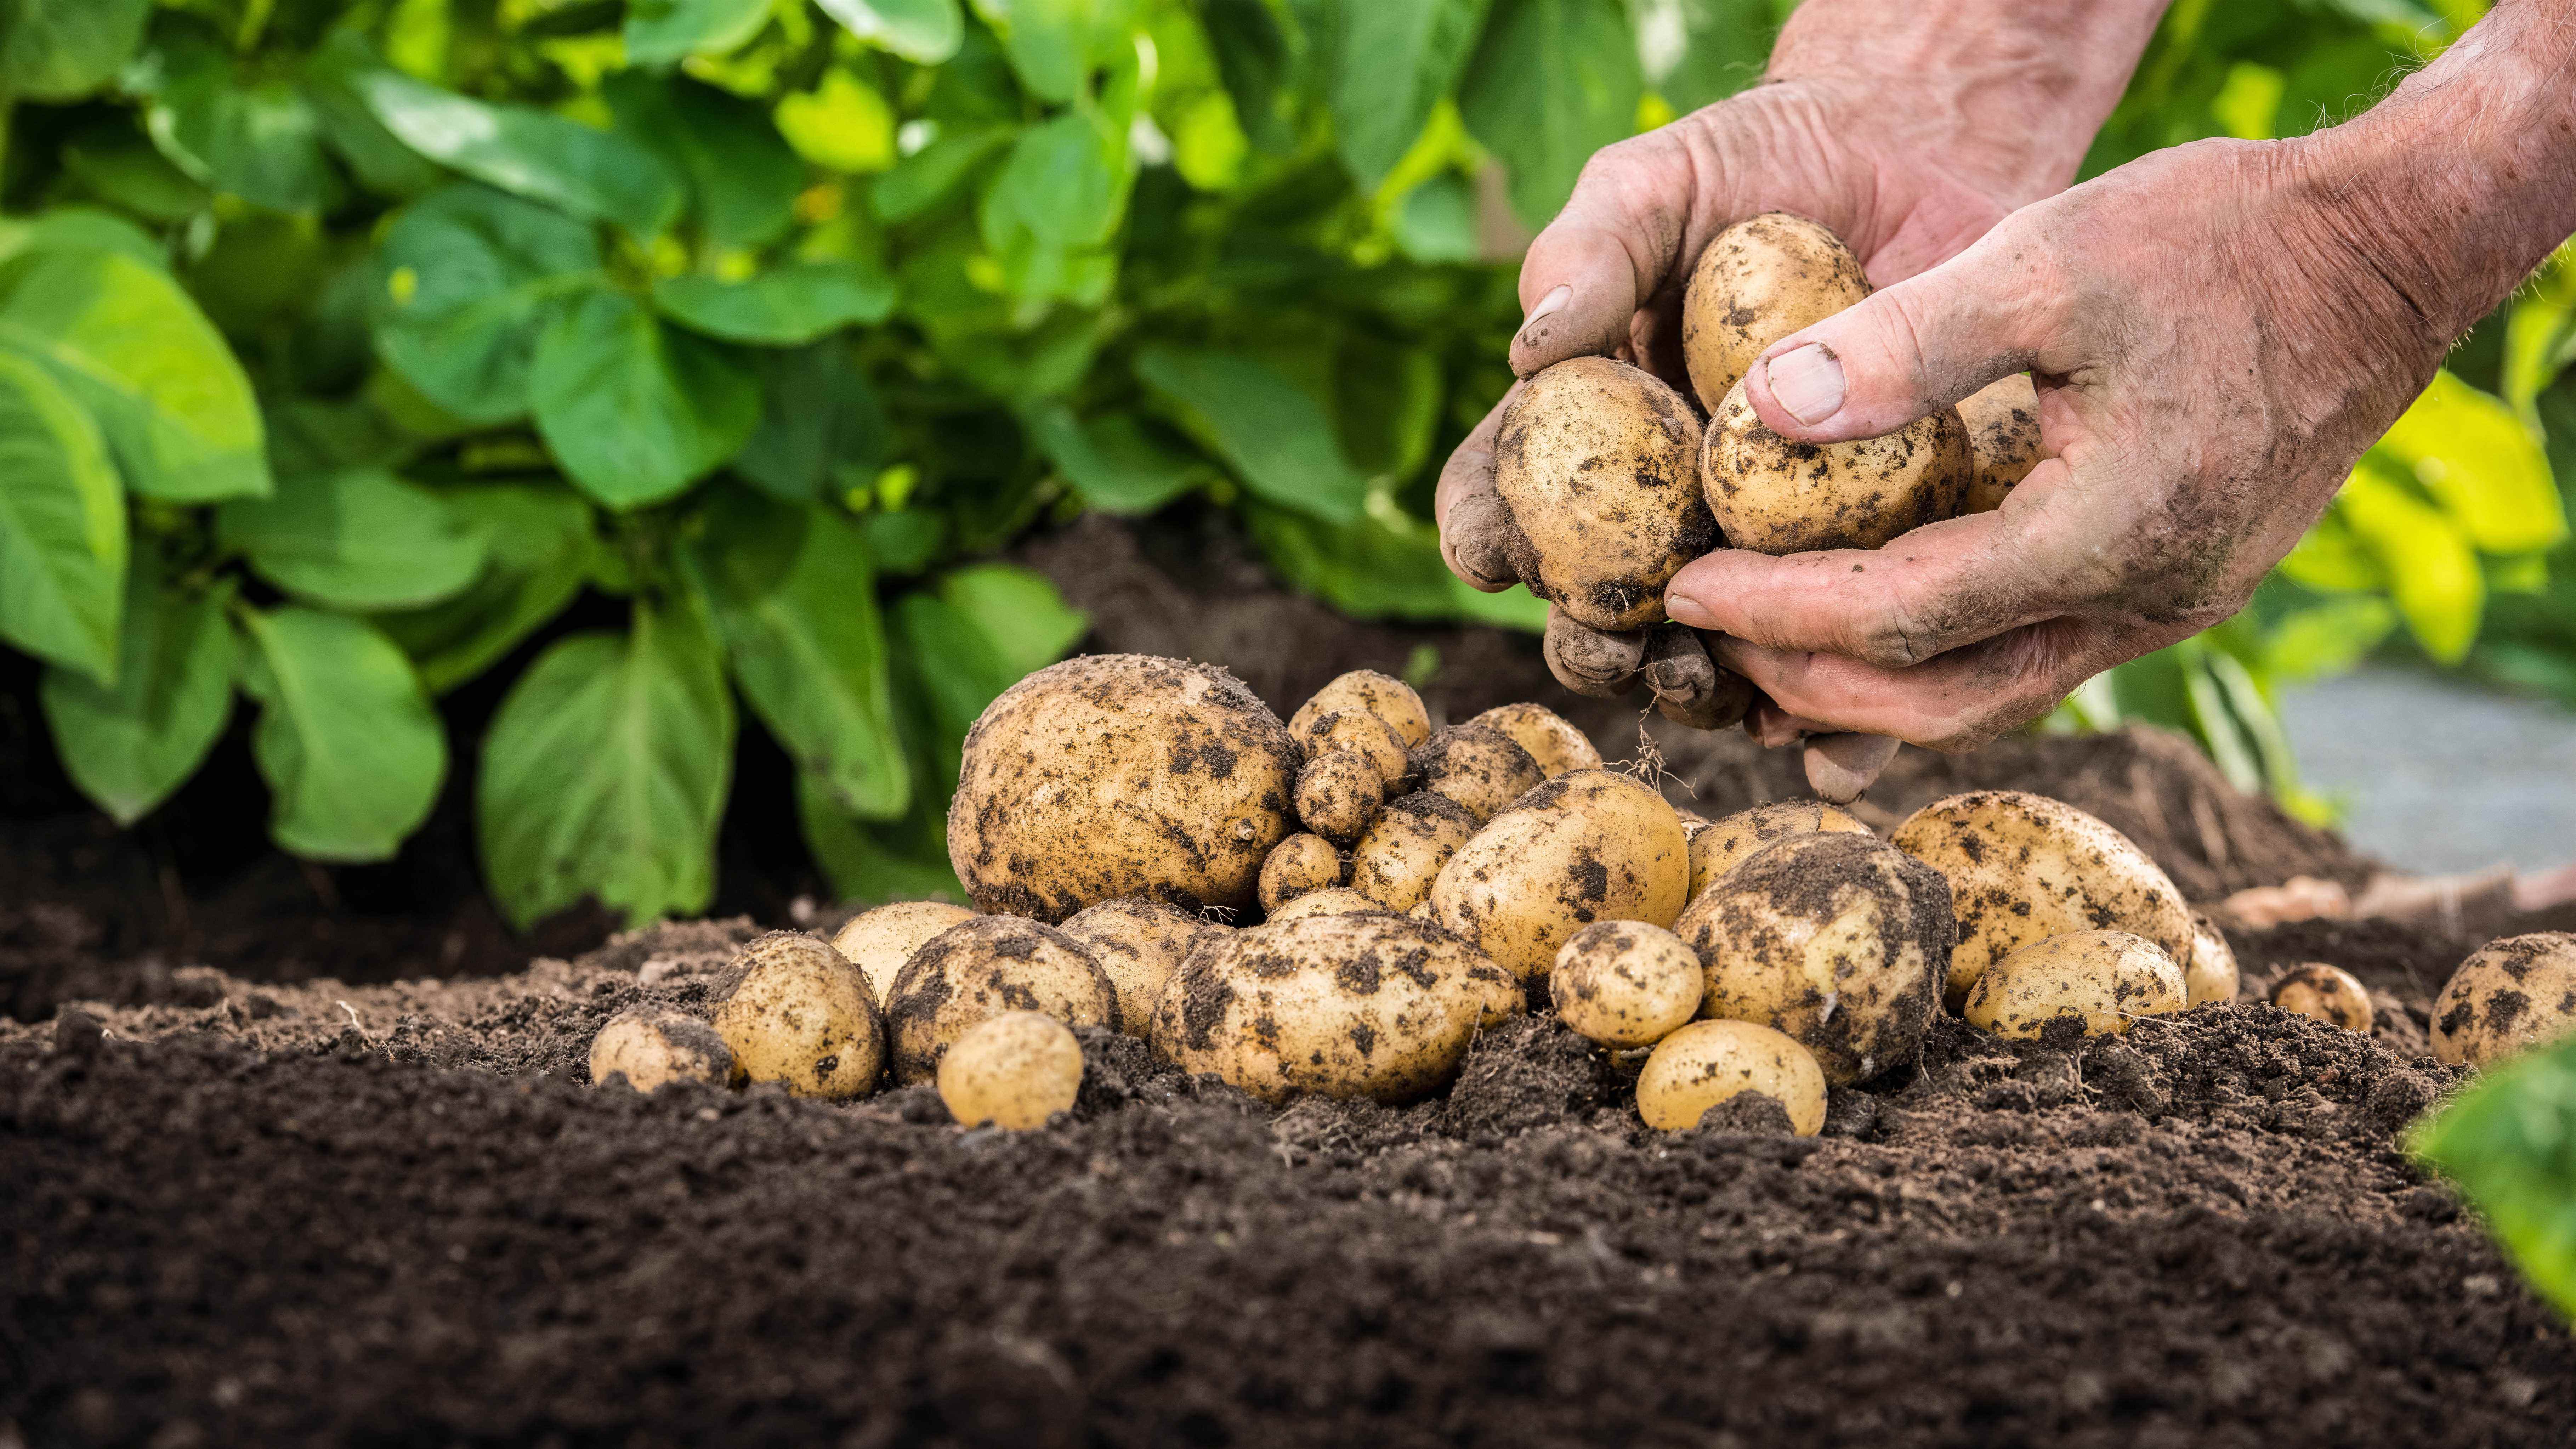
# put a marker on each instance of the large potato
(982, 968)
(1477, 765)
(1401, 852)
(1709, 1062)
(1777, 495)
(2002, 419)
(1120, 775)
(1138, 944)
(2024, 867)
(2099, 980)
(878, 942)
(1723, 845)
(1840, 941)
(1755, 283)
(2509, 996)
(1597, 467)
(1551, 739)
(792, 1011)
(1590, 845)
(1365, 1005)
(1385, 696)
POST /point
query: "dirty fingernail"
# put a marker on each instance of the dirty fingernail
(1808, 382)
(1554, 302)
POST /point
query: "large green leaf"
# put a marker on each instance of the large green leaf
(2431, 566)
(1718, 48)
(538, 547)
(2484, 463)
(742, 177)
(1029, 623)
(954, 668)
(257, 140)
(869, 864)
(62, 525)
(346, 739)
(605, 773)
(379, 159)
(355, 538)
(1061, 192)
(821, 426)
(1397, 60)
(662, 32)
(2510, 1143)
(1257, 51)
(61, 50)
(471, 278)
(1116, 463)
(927, 177)
(173, 403)
(636, 411)
(1273, 434)
(1054, 45)
(1553, 82)
(924, 32)
(1384, 565)
(786, 306)
(128, 746)
(532, 153)
(80, 228)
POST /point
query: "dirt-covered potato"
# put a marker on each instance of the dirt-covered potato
(1597, 467)
(1626, 983)
(2101, 979)
(793, 1012)
(646, 1046)
(1478, 766)
(1385, 696)
(1756, 282)
(2024, 867)
(1777, 495)
(1303, 862)
(1725, 844)
(1138, 943)
(2209, 972)
(1841, 941)
(1401, 852)
(2002, 419)
(878, 942)
(1121, 775)
(1590, 845)
(1709, 1062)
(1363, 734)
(2329, 993)
(982, 968)
(1339, 793)
(1014, 1071)
(1363, 1005)
(1331, 901)
(2509, 996)
(1551, 739)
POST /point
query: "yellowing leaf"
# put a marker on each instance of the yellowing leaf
(840, 125)
(2433, 572)
(2483, 463)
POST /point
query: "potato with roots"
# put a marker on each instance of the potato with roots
(2024, 867)
(1725, 844)
(1755, 283)
(1366, 1005)
(793, 1012)
(1403, 849)
(1708, 1063)
(1625, 983)
(878, 942)
(1138, 944)
(1840, 941)
(1302, 863)
(1779, 495)
(2328, 993)
(982, 968)
(1121, 775)
(1477, 765)
(2094, 983)
(1592, 845)
(1332, 901)
(1338, 794)
(2508, 997)
(646, 1046)
(1553, 742)
(1363, 734)
(1385, 696)
(1596, 466)
(2209, 973)
(2002, 419)
(1014, 1071)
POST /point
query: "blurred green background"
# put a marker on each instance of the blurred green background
(687, 359)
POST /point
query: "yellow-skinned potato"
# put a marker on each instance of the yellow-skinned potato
(1725, 844)
(1138, 944)
(982, 968)
(650, 1045)
(1591, 845)
(1364, 1005)
(1709, 1062)
(1338, 794)
(1597, 467)
(1079, 780)
(1401, 852)
(2209, 974)
(1385, 696)
(2002, 419)
(1301, 863)
(1477, 765)
(2103, 980)
(1777, 495)
(1840, 941)
(2509, 996)
(2024, 867)
(1014, 1071)
(1331, 901)
(1363, 734)
(1755, 283)
(1625, 983)
(793, 1012)
(1553, 742)
(2328, 993)
(878, 942)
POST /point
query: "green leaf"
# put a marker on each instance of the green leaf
(1116, 464)
(2483, 463)
(1257, 54)
(664, 32)
(1384, 565)
(1054, 45)
(355, 538)
(1062, 191)
(2331, 558)
(1437, 222)
(843, 124)
(787, 306)
(870, 865)
(2540, 333)
(346, 739)
(81, 228)
(1553, 82)
(1397, 59)
(1028, 622)
(128, 746)
(260, 141)
(380, 161)
(605, 771)
(924, 32)
(537, 544)
(2510, 1143)
(2432, 570)
(954, 668)
(903, 542)
(61, 50)
(62, 525)
(471, 278)
(174, 405)
(124, 171)
(741, 177)
(633, 410)
(1722, 46)
(820, 424)
(1275, 436)
(2327, 639)
(925, 178)
(531, 153)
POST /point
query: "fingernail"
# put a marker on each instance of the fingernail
(1548, 305)
(1683, 609)
(1808, 382)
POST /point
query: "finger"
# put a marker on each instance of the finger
(1638, 213)
(1775, 728)
(1588, 661)
(1468, 510)
(1957, 701)
(1690, 689)
(1841, 768)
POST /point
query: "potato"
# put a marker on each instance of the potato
(792, 1011)
(1363, 734)
(2209, 972)
(1590, 845)
(2328, 993)
(1597, 468)
(1013, 1071)
(2509, 996)
(1364, 1005)
(981, 968)
(1478, 766)
(1709, 1062)
(1339, 794)
(1625, 983)
(1301, 863)
(1333, 901)
(1778, 495)
(2024, 867)
(1551, 739)
(1389, 698)
(646, 1046)
(1728, 843)
(2002, 419)
(1841, 941)
(1756, 282)
(1401, 852)
(1138, 944)
(1121, 775)
(2101, 979)
(878, 942)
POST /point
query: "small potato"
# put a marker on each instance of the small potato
(1755, 283)
(1301, 863)
(1364, 734)
(1841, 941)
(1551, 739)
(1478, 766)
(1401, 852)
(1709, 1062)
(1592, 845)
(1339, 794)
(982, 968)
(792, 1011)
(1385, 696)
(1014, 1071)
(1334, 901)
(878, 942)
(1728, 843)
(1626, 983)
(2101, 979)
(1138, 943)
(2209, 973)
(2509, 996)
(2002, 419)
(1597, 468)
(2328, 993)
(1776, 495)
(648, 1045)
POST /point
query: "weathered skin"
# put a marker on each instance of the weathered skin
(2509, 996)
